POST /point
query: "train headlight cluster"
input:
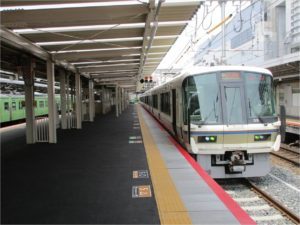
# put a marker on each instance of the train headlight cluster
(207, 139)
(261, 137)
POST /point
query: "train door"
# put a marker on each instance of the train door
(234, 114)
(5, 111)
(174, 111)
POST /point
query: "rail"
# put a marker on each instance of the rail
(288, 154)
(285, 211)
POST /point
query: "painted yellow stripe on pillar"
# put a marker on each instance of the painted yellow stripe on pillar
(170, 206)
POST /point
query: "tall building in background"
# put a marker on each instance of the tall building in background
(266, 34)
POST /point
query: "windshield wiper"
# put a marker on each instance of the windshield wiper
(255, 114)
(213, 110)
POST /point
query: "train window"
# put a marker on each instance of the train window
(233, 105)
(6, 106)
(41, 104)
(155, 101)
(13, 106)
(201, 96)
(260, 98)
(165, 105)
(20, 105)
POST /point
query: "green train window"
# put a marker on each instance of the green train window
(6, 106)
(13, 106)
(41, 104)
(21, 105)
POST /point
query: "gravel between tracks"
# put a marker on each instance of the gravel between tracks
(280, 191)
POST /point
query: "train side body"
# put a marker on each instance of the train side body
(229, 135)
(12, 107)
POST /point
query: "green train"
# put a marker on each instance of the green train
(12, 107)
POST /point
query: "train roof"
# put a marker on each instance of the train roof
(200, 69)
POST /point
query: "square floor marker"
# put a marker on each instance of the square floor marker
(135, 137)
(136, 174)
(135, 141)
(143, 191)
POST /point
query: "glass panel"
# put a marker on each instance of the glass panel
(13, 106)
(41, 104)
(6, 106)
(260, 96)
(201, 95)
(233, 105)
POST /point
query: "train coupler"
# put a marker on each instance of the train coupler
(237, 162)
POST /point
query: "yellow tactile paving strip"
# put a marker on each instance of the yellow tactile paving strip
(170, 207)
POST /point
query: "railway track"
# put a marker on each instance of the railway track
(260, 205)
(273, 202)
(289, 154)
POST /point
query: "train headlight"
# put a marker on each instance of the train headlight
(262, 137)
(207, 139)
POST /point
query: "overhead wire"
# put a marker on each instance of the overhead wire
(239, 11)
(204, 17)
(98, 33)
(216, 38)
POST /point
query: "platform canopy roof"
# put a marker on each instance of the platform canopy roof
(112, 41)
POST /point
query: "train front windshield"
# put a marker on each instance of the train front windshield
(229, 97)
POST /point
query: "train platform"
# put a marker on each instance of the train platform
(293, 126)
(124, 170)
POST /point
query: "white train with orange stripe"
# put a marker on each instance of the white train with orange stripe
(225, 116)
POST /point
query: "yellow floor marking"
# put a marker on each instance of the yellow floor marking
(170, 206)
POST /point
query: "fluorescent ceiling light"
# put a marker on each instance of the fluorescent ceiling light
(109, 65)
(96, 27)
(161, 46)
(153, 66)
(172, 23)
(94, 50)
(150, 59)
(152, 62)
(51, 43)
(80, 28)
(165, 37)
(107, 61)
(115, 73)
(156, 53)
(107, 71)
(70, 5)
(88, 41)
(134, 54)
